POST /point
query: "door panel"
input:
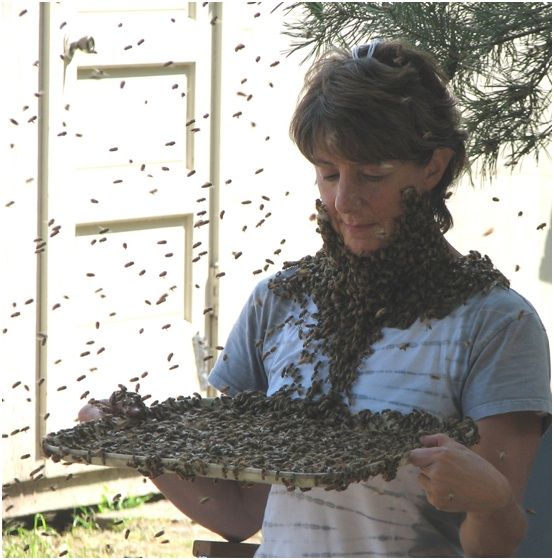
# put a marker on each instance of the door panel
(129, 168)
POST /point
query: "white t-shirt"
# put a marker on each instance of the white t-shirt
(489, 356)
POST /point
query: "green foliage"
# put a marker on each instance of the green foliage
(29, 543)
(128, 502)
(43, 541)
(84, 517)
(498, 56)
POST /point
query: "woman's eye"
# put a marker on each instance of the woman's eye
(331, 177)
(372, 178)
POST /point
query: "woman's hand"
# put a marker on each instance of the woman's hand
(456, 479)
(91, 412)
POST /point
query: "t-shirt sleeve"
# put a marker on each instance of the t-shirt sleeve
(240, 367)
(509, 369)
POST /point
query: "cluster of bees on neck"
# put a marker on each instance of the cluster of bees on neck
(283, 437)
(415, 277)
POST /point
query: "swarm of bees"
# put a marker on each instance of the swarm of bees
(277, 434)
(414, 277)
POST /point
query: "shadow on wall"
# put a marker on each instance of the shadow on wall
(545, 270)
(538, 503)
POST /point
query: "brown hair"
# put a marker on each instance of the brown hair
(394, 105)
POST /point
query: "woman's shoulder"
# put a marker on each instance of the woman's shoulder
(502, 301)
(268, 286)
(499, 308)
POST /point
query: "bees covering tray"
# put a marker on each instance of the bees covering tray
(254, 438)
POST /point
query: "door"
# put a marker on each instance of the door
(124, 203)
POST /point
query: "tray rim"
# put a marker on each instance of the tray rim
(213, 470)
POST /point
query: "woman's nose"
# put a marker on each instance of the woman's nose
(348, 197)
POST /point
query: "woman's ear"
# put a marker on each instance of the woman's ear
(436, 167)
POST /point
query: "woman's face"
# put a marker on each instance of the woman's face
(363, 200)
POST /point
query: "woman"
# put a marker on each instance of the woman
(374, 124)
(388, 315)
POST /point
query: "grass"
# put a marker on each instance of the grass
(78, 534)
(30, 543)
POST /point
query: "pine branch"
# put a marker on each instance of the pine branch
(497, 55)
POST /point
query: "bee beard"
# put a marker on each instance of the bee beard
(415, 276)
(415, 250)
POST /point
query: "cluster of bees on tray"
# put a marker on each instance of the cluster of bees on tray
(278, 435)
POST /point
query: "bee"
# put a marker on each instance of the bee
(380, 312)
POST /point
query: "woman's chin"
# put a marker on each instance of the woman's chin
(365, 248)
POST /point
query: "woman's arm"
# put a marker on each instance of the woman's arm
(486, 482)
(226, 507)
(510, 443)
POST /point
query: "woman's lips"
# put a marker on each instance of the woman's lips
(357, 227)
(363, 229)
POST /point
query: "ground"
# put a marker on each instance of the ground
(104, 536)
